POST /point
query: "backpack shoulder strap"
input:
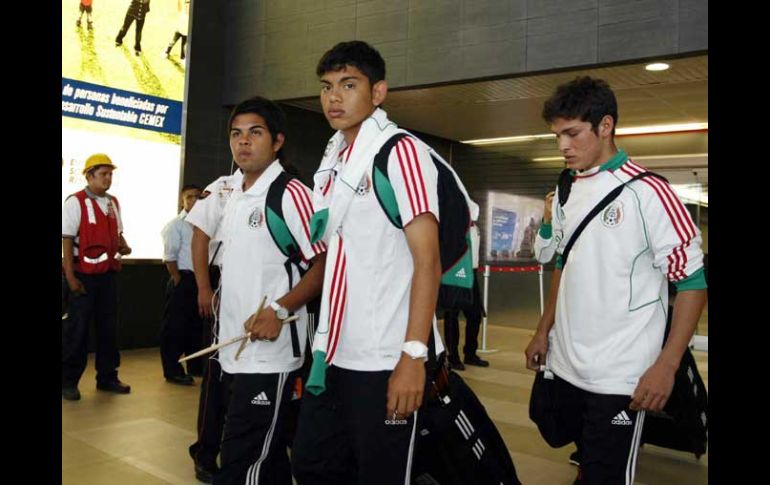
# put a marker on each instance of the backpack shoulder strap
(279, 231)
(565, 185)
(276, 224)
(598, 208)
(381, 182)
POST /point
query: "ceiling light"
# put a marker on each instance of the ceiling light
(666, 157)
(648, 157)
(508, 139)
(637, 130)
(643, 130)
(692, 194)
(657, 66)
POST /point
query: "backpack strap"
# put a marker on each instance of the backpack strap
(214, 257)
(598, 208)
(276, 224)
(455, 290)
(284, 240)
(565, 185)
(381, 182)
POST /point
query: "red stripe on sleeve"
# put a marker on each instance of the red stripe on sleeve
(405, 176)
(421, 182)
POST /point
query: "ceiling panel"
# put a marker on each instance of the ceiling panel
(512, 107)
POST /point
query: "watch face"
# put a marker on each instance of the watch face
(415, 350)
(282, 313)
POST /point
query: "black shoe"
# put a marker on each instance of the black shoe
(574, 458)
(137, 52)
(77, 23)
(118, 43)
(476, 360)
(454, 363)
(204, 475)
(183, 380)
(70, 393)
(114, 386)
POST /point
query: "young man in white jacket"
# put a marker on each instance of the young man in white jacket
(601, 333)
(357, 422)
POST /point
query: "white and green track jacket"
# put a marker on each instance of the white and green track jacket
(612, 301)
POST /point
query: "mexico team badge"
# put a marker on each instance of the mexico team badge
(256, 218)
(613, 214)
(364, 186)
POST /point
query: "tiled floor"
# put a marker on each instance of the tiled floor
(142, 438)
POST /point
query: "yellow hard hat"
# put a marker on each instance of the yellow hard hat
(96, 160)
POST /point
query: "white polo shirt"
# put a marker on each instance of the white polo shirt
(253, 267)
(207, 213)
(379, 262)
(70, 216)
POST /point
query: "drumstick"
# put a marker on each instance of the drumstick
(227, 342)
(248, 324)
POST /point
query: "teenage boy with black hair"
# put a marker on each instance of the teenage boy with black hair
(358, 419)
(263, 376)
(601, 332)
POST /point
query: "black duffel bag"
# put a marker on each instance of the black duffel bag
(457, 443)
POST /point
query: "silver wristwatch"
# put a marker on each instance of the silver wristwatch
(415, 349)
(280, 312)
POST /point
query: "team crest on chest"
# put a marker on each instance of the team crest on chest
(612, 216)
(256, 218)
(364, 186)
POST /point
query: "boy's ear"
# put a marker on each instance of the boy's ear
(379, 92)
(278, 142)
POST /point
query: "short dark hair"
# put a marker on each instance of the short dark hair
(354, 53)
(268, 110)
(583, 98)
(189, 187)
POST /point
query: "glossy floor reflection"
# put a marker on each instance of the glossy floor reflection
(142, 437)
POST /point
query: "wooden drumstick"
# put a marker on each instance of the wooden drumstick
(248, 324)
(227, 342)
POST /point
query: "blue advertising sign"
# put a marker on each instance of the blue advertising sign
(503, 229)
(115, 106)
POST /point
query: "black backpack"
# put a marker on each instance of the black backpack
(456, 289)
(279, 231)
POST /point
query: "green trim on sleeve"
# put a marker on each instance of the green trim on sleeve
(546, 230)
(316, 382)
(696, 281)
(318, 225)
